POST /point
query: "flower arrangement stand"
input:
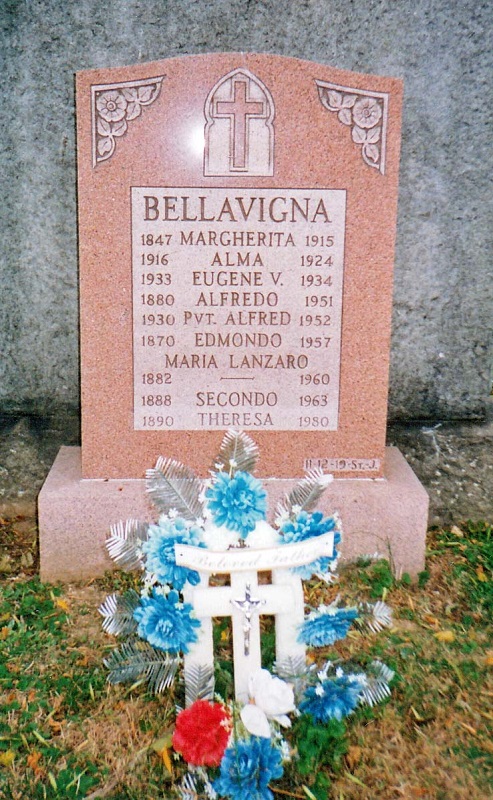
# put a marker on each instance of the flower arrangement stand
(245, 599)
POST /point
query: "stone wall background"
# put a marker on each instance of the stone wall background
(441, 356)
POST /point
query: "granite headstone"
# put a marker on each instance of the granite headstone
(237, 218)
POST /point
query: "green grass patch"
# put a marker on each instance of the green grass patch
(473, 568)
(65, 734)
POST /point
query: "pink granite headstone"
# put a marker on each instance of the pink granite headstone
(236, 225)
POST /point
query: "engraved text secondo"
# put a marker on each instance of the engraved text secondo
(237, 307)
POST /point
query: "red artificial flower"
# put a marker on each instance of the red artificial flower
(202, 732)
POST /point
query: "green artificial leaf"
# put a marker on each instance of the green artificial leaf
(172, 485)
(199, 683)
(125, 542)
(374, 616)
(137, 660)
(305, 494)
(238, 453)
(118, 612)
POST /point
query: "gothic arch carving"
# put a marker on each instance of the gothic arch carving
(239, 130)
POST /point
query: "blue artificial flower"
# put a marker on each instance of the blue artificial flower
(160, 551)
(333, 697)
(238, 503)
(165, 622)
(306, 526)
(247, 768)
(326, 626)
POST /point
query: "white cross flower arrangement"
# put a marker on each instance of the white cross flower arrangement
(235, 747)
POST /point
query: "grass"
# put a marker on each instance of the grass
(65, 733)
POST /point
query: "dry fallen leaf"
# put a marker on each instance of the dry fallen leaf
(27, 559)
(489, 658)
(33, 762)
(481, 574)
(166, 760)
(445, 636)
(5, 563)
(487, 745)
(468, 728)
(7, 758)
(161, 747)
(55, 726)
(353, 756)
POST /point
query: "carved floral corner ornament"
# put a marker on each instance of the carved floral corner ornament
(113, 106)
(365, 112)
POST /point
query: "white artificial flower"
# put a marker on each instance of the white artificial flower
(255, 720)
(149, 582)
(322, 674)
(281, 518)
(271, 698)
(263, 535)
(272, 694)
(207, 484)
(285, 750)
(218, 537)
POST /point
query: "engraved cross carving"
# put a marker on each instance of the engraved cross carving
(239, 110)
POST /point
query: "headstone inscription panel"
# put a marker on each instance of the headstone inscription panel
(236, 227)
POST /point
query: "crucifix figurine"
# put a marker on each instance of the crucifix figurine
(248, 605)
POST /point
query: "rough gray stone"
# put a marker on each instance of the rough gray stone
(451, 459)
(28, 448)
(453, 462)
(442, 321)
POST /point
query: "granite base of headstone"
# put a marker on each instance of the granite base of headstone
(237, 217)
(386, 516)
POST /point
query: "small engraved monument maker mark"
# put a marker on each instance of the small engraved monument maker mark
(239, 134)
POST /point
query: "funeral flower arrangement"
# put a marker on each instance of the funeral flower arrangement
(234, 749)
